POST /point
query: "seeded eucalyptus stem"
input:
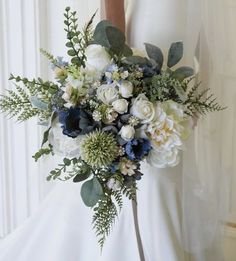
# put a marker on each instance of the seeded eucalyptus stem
(137, 231)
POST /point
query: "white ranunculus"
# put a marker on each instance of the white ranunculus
(127, 132)
(163, 131)
(97, 58)
(62, 144)
(126, 89)
(163, 159)
(143, 109)
(107, 93)
(120, 106)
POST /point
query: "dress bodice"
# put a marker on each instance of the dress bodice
(159, 22)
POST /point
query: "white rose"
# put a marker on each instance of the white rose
(62, 144)
(126, 89)
(163, 159)
(120, 106)
(127, 132)
(107, 93)
(143, 109)
(97, 58)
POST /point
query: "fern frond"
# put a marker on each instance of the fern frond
(17, 104)
(130, 191)
(118, 198)
(104, 217)
(88, 30)
(50, 57)
(200, 102)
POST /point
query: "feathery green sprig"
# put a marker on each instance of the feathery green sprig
(77, 40)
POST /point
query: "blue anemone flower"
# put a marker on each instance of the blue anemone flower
(76, 122)
(136, 149)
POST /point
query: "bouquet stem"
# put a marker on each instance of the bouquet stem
(137, 231)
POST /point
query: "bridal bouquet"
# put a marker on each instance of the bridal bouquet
(108, 110)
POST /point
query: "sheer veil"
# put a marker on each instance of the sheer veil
(204, 183)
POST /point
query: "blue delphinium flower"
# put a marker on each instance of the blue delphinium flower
(136, 149)
(75, 122)
(59, 63)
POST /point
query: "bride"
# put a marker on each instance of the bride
(61, 228)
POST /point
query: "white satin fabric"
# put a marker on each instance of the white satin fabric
(61, 230)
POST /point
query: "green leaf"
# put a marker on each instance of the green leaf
(81, 177)
(127, 51)
(183, 73)
(69, 44)
(67, 162)
(175, 54)
(91, 192)
(45, 136)
(136, 60)
(155, 53)
(99, 35)
(37, 103)
(116, 39)
(71, 52)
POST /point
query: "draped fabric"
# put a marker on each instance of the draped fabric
(205, 178)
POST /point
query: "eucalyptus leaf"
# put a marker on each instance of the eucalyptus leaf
(183, 73)
(81, 177)
(91, 192)
(116, 39)
(100, 36)
(136, 60)
(175, 54)
(37, 103)
(127, 51)
(71, 52)
(155, 53)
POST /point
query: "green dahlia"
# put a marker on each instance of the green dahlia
(99, 149)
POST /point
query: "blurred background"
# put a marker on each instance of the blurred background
(27, 25)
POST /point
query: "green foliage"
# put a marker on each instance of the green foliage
(88, 30)
(113, 39)
(77, 40)
(17, 104)
(175, 54)
(30, 100)
(62, 169)
(91, 192)
(50, 57)
(155, 53)
(118, 198)
(42, 152)
(164, 87)
(104, 217)
(200, 102)
(129, 190)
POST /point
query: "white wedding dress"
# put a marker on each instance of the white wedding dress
(61, 228)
